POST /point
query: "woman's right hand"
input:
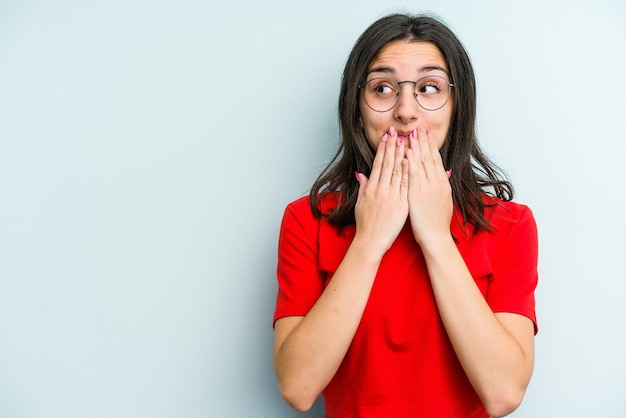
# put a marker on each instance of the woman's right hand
(308, 350)
(382, 205)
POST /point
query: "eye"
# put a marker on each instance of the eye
(381, 87)
(429, 86)
(430, 89)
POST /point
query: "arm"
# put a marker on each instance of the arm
(495, 350)
(308, 350)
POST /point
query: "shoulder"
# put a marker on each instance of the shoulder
(299, 216)
(302, 205)
(505, 215)
(507, 206)
(305, 236)
(514, 227)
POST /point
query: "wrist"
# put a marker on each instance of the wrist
(437, 245)
(367, 249)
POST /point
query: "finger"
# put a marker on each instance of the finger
(438, 171)
(362, 179)
(404, 182)
(389, 157)
(424, 147)
(415, 171)
(414, 144)
(416, 166)
(378, 159)
(431, 158)
(396, 175)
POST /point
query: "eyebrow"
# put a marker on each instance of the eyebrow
(389, 70)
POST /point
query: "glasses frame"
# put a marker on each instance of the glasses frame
(415, 93)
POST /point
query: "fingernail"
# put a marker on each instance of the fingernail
(392, 131)
(421, 130)
(384, 138)
(399, 141)
(413, 133)
(449, 173)
(356, 173)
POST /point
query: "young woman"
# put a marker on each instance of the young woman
(407, 277)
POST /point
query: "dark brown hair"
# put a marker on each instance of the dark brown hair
(475, 176)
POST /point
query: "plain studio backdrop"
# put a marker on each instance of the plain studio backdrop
(148, 149)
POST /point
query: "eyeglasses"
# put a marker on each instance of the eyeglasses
(383, 94)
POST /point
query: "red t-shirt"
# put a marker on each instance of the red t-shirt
(401, 363)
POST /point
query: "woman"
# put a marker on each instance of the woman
(406, 290)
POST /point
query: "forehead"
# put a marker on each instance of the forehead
(408, 56)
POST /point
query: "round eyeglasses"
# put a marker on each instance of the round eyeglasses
(382, 94)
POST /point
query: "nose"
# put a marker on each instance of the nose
(407, 109)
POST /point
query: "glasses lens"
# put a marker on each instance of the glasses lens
(432, 92)
(381, 94)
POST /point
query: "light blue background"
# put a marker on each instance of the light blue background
(148, 148)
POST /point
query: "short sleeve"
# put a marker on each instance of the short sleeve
(512, 285)
(300, 283)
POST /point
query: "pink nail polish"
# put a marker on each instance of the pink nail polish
(392, 131)
(399, 141)
(384, 138)
(449, 173)
(413, 133)
(356, 173)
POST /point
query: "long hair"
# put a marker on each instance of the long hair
(475, 176)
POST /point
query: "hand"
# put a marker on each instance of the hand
(430, 194)
(382, 204)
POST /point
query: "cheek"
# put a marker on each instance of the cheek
(372, 138)
(442, 125)
(370, 127)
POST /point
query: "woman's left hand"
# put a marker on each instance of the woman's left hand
(430, 194)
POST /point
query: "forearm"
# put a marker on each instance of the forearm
(308, 357)
(309, 350)
(497, 362)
